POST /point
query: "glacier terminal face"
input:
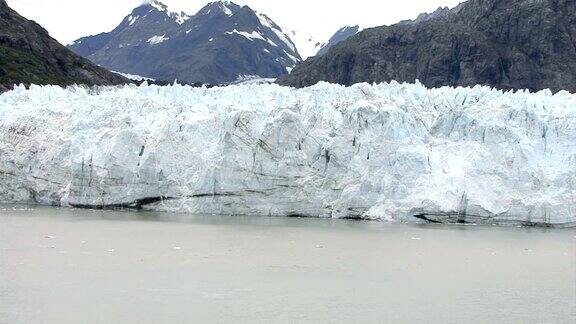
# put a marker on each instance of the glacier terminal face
(397, 152)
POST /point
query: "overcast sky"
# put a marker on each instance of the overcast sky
(67, 20)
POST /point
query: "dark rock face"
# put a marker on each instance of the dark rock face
(341, 35)
(29, 55)
(220, 44)
(441, 12)
(507, 44)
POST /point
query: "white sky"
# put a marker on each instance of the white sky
(67, 20)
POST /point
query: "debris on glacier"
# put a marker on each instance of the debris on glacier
(395, 152)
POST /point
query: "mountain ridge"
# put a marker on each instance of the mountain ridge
(221, 43)
(29, 55)
(341, 35)
(504, 44)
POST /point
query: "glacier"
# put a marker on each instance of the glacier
(391, 152)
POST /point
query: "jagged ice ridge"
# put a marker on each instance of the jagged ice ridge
(397, 152)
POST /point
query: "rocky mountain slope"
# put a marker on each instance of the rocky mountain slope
(441, 12)
(389, 151)
(341, 35)
(222, 43)
(508, 44)
(29, 55)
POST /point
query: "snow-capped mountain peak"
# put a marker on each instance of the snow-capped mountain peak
(157, 6)
(218, 44)
(227, 8)
(181, 17)
(225, 5)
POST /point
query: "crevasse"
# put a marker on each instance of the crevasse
(397, 152)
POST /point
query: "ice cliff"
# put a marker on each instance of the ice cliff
(390, 151)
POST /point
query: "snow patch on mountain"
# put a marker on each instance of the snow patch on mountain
(253, 79)
(132, 20)
(268, 23)
(272, 43)
(225, 8)
(133, 76)
(157, 5)
(292, 57)
(154, 40)
(181, 18)
(250, 36)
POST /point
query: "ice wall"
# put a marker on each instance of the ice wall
(390, 151)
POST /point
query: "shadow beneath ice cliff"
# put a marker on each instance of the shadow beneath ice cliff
(469, 219)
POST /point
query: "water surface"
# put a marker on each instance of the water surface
(79, 266)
